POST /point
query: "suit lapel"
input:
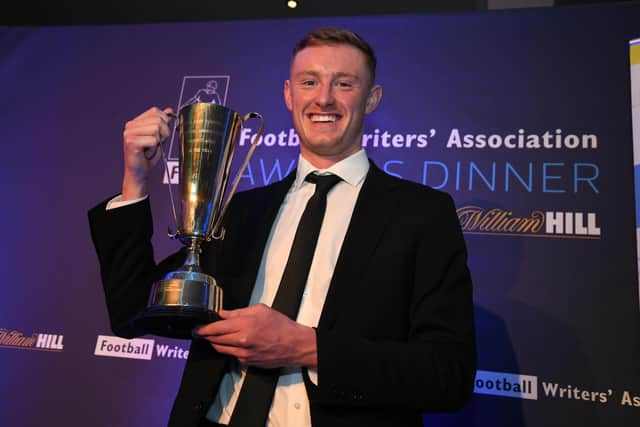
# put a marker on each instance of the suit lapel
(266, 208)
(371, 214)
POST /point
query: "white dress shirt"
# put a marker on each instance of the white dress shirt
(290, 406)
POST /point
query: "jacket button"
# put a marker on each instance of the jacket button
(199, 406)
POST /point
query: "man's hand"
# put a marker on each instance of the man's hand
(263, 337)
(143, 132)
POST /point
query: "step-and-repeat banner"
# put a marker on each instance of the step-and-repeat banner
(523, 116)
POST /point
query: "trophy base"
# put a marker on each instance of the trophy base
(180, 302)
(175, 322)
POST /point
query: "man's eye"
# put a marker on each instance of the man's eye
(308, 83)
(344, 84)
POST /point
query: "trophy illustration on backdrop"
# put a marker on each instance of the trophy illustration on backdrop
(188, 297)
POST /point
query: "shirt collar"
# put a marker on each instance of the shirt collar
(352, 170)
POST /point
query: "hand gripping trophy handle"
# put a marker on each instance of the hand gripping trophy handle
(188, 297)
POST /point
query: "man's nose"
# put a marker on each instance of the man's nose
(325, 95)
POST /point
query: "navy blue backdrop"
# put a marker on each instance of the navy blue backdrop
(523, 116)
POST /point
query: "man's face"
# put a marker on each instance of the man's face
(329, 93)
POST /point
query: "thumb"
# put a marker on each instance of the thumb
(169, 112)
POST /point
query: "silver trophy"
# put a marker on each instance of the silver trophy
(187, 297)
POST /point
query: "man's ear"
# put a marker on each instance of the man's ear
(287, 94)
(373, 99)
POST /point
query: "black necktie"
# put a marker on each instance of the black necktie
(254, 401)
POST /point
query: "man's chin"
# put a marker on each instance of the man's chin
(326, 148)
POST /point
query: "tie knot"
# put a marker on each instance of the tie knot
(323, 183)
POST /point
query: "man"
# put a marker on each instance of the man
(384, 330)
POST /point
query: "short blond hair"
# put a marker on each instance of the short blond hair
(334, 35)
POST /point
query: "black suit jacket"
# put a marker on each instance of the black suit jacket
(396, 335)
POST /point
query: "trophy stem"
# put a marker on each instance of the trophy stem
(192, 263)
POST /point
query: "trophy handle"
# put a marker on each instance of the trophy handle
(172, 234)
(217, 232)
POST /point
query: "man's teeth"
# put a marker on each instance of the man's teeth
(323, 118)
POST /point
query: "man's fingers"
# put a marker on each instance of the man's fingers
(252, 310)
(140, 143)
(233, 339)
(144, 136)
(230, 314)
(145, 128)
(151, 122)
(228, 349)
(155, 112)
(221, 327)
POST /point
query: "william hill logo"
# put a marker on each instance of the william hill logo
(36, 341)
(553, 224)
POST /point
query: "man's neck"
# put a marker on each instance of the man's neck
(325, 162)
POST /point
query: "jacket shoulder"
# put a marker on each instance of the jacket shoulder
(414, 191)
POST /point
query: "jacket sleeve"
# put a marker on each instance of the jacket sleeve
(430, 368)
(122, 240)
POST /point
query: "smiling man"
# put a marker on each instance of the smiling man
(330, 91)
(381, 324)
